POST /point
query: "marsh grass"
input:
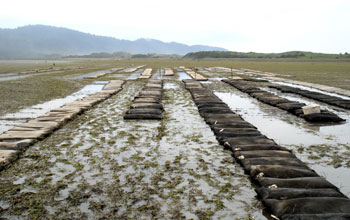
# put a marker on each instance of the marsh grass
(20, 93)
(39, 88)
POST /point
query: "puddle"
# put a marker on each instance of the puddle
(8, 74)
(136, 74)
(19, 181)
(29, 190)
(159, 74)
(183, 75)
(128, 75)
(132, 69)
(97, 72)
(10, 120)
(121, 76)
(84, 208)
(171, 86)
(16, 77)
(101, 82)
(61, 170)
(4, 205)
(22, 75)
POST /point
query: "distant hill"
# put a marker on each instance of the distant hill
(38, 41)
(290, 54)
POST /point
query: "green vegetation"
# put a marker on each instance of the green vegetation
(289, 54)
(118, 55)
(124, 56)
(41, 87)
(155, 56)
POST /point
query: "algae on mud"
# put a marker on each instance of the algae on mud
(99, 166)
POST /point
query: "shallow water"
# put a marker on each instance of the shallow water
(132, 69)
(318, 145)
(128, 74)
(136, 74)
(6, 125)
(97, 72)
(8, 74)
(183, 75)
(310, 89)
(16, 77)
(338, 132)
(25, 74)
(10, 120)
(101, 82)
(171, 86)
(159, 74)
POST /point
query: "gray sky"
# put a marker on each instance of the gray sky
(238, 25)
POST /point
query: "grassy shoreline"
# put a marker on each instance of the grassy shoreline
(20, 93)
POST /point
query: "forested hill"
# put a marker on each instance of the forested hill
(35, 41)
(290, 54)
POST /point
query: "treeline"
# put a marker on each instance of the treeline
(155, 56)
(290, 54)
(124, 55)
(117, 55)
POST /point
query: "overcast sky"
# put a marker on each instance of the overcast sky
(238, 25)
